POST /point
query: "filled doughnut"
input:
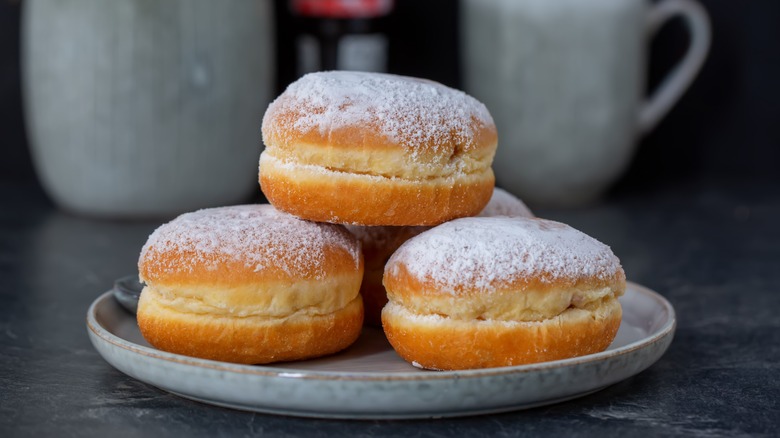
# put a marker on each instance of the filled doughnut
(503, 203)
(249, 284)
(490, 292)
(376, 149)
(379, 243)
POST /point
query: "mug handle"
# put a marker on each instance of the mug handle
(679, 79)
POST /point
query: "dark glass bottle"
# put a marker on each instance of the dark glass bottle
(341, 34)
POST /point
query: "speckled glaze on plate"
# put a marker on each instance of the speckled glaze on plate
(369, 381)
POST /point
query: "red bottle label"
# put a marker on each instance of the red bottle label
(342, 8)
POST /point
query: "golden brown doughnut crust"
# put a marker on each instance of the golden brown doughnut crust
(374, 149)
(250, 284)
(340, 197)
(490, 292)
(441, 343)
(249, 340)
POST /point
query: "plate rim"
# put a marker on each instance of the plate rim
(102, 333)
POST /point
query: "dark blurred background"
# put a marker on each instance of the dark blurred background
(725, 128)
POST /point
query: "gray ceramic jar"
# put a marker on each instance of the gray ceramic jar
(141, 108)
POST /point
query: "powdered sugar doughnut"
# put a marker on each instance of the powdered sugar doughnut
(379, 243)
(488, 292)
(503, 203)
(250, 284)
(377, 149)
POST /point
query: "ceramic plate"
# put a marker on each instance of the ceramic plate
(369, 381)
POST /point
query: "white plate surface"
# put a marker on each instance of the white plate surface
(369, 381)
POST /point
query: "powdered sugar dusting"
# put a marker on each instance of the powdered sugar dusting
(480, 253)
(407, 110)
(258, 235)
(503, 203)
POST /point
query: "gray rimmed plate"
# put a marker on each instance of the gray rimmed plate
(369, 381)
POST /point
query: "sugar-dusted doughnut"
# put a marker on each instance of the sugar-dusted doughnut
(376, 149)
(503, 203)
(489, 292)
(250, 284)
(378, 244)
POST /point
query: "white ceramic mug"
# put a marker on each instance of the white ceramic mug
(564, 80)
(141, 108)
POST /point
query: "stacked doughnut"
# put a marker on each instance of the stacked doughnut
(250, 284)
(488, 292)
(374, 149)
(382, 203)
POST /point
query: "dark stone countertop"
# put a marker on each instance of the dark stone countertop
(712, 249)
